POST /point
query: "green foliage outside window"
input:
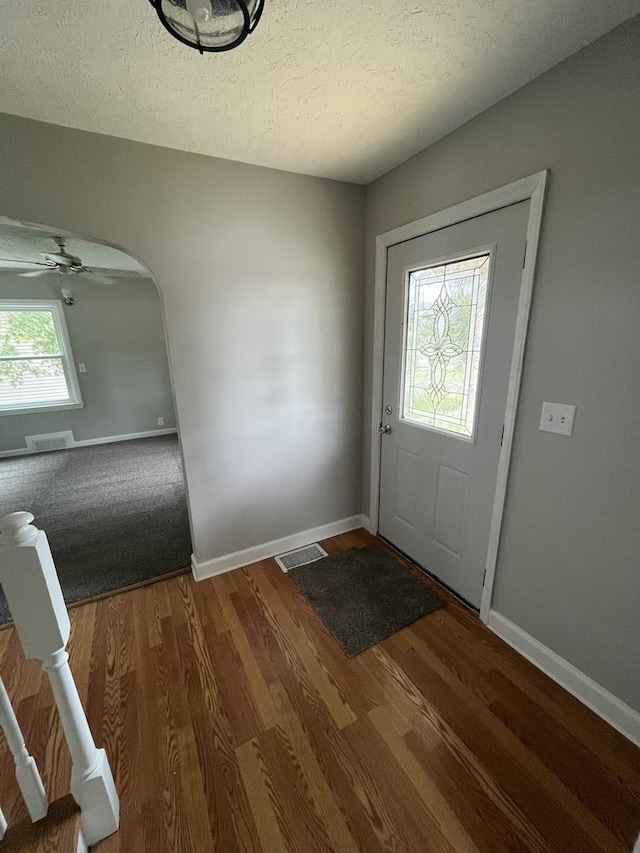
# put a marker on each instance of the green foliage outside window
(25, 334)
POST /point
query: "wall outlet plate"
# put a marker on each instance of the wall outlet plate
(558, 418)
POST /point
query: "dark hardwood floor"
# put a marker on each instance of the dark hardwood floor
(234, 722)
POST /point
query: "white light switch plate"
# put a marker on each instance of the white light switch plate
(557, 417)
(82, 368)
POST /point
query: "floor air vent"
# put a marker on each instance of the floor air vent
(301, 556)
(49, 441)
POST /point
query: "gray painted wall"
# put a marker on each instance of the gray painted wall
(117, 332)
(260, 273)
(569, 562)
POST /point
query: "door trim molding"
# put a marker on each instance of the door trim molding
(531, 188)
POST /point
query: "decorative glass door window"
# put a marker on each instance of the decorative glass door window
(443, 335)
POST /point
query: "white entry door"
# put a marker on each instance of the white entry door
(451, 308)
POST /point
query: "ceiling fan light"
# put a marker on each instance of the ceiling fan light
(209, 25)
(67, 295)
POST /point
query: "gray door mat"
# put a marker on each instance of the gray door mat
(364, 595)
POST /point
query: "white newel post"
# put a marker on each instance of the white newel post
(27, 774)
(30, 582)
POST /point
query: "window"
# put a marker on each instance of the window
(36, 365)
(443, 334)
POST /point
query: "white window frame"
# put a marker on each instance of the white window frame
(68, 364)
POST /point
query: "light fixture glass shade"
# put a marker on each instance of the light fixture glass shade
(209, 25)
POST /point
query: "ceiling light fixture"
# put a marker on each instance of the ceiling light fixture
(209, 25)
(66, 290)
(67, 295)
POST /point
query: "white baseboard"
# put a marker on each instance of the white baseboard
(589, 692)
(369, 526)
(21, 451)
(107, 439)
(229, 562)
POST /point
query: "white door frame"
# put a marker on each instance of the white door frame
(532, 188)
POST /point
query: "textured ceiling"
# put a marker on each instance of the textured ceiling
(324, 87)
(24, 244)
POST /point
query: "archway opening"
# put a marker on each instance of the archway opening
(88, 429)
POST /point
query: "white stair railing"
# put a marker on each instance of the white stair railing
(27, 774)
(32, 589)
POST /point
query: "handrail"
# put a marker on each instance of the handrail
(32, 589)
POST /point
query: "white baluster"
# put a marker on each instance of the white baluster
(27, 774)
(32, 589)
(3, 825)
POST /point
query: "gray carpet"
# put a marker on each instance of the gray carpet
(364, 595)
(115, 514)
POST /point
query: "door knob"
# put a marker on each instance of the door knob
(386, 429)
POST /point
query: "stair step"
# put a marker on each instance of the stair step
(58, 831)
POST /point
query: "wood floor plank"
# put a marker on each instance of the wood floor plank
(156, 725)
(55, 764)
(285, 625)
(319, 786)
(82, 620)
(235, 724)
(411, 824)
(235, 688)
(58, 831)
(232, 609)
(595, 786)
(321, 731)
(466, 722)
(426, 788)
(214, 609)
(493, 656)
(255, 778)
(300, 823)
(19, 674)
(496, 659)
(359, 691)
(358, 796)
(232, 823)
(602, 790)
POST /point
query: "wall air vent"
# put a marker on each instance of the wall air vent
(300, 557)
(49, 441)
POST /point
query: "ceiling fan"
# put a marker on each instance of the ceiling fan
(61, 262)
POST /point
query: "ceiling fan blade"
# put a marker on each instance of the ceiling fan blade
(112, 272)
(99, 279)
(35, 273)
(29, 263)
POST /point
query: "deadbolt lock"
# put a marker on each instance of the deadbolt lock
(388, 410)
